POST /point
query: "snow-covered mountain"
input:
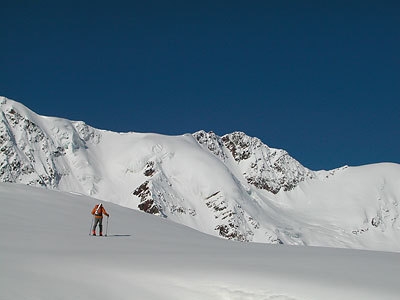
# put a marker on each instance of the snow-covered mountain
(232, 186)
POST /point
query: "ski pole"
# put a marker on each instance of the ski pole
(107, 227)
(91, 225)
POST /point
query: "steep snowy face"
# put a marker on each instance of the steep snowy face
(232, 186)
(38, 150)
(201, 180)
(191, 186)
(263, 167)
(222, 173)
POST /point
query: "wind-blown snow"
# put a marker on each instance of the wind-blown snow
(46, 253)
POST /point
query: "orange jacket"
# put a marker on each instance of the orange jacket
(98, 212)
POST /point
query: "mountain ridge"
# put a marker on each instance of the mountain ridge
(233, 186)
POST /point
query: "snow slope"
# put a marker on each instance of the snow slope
(46, 253)
(232, 186)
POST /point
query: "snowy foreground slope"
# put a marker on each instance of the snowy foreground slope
(46, 253)
(232, 186)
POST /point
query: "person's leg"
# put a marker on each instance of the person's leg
(96, 221)
(101, 226)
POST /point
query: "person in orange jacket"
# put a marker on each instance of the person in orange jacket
(98, 212)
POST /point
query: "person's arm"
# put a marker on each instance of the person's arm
(105, 212)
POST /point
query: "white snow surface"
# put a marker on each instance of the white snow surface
(46, 253)
(234, 186)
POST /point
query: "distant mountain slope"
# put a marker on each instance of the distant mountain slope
(232, 186)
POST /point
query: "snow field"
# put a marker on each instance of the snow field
(46, 253)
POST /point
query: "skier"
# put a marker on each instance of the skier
(98, 212)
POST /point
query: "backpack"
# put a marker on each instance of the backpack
(99, 210)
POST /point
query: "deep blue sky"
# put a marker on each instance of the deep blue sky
(320, 79)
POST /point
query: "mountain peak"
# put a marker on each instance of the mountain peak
(264, 167)
(233, 186)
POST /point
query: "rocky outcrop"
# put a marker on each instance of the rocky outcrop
(34, 154)
(27, 156)
(147, 203)
(263, 167)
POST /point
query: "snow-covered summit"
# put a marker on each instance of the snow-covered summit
(232, 186)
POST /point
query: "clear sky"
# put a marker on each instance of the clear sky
(320, 79)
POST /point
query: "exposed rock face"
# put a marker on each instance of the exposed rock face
(144, 192)
(147, 203)
(37, 154)
(263, 167)
(212, 142)
(22, 144)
